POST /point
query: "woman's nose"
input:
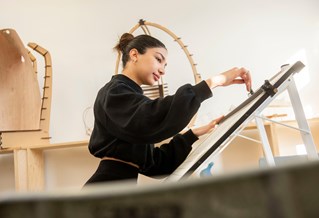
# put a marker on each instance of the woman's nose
(161, 71)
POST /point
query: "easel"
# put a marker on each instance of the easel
(237, 120)
(304, 129)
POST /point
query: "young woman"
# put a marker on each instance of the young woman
(127, 123)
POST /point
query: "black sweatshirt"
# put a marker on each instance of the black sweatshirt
(127, 124)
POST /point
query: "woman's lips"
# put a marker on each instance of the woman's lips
(156, 77)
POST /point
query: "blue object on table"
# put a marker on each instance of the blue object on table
(207, 171)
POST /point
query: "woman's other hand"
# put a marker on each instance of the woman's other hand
(199, 131)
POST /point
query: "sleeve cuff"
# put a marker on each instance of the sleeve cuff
(190, 137)
(203, 91)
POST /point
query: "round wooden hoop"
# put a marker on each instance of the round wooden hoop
(144, 26)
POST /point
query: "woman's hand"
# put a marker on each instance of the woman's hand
(232, 76)
(199, 131)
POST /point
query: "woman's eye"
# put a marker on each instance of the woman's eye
(158, 59)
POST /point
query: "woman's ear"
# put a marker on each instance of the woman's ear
(133, 54)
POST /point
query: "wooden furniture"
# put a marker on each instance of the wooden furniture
(19, 90)
(29, 164)
(21, 125)
(25, 117)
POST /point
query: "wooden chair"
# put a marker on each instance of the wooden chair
(24, 115)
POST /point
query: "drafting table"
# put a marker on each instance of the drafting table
(250, 109)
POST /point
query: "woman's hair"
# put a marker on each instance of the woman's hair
(141, 43)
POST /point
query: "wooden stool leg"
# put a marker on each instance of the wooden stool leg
(29, 169)
(35, 169)
(20, 170)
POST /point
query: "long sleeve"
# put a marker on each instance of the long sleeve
(169, 156)
(127, 123)
(135, 118)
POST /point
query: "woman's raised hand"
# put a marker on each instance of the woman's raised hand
(232, 76)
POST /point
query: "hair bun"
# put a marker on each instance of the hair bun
(124, 41)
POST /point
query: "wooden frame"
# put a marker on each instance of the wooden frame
(20, 134)
(19, 90)
(40, 135)
(144, 26)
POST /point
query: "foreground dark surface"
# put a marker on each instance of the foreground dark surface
(280, 192)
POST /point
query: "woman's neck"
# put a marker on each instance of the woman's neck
(132, 76)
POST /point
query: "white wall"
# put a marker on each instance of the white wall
(259, 35)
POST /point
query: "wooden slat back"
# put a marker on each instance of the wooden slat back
(20, 101)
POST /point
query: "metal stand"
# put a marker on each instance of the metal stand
(304, 129)
(236, 120)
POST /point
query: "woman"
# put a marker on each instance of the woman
(127, 123)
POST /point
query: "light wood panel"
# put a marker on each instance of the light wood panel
(20, 101)
(40, 136)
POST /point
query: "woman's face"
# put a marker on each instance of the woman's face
(150, 66)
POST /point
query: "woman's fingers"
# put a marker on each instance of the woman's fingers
(246, 78)
(216, 121)
(230, 77)
(219, 119)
